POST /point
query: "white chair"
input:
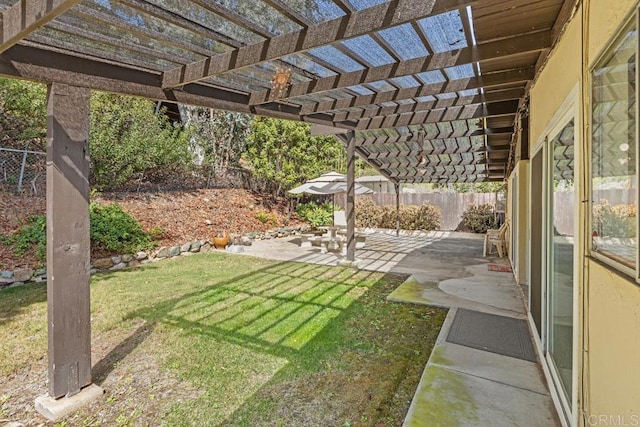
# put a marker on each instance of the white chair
(496, 238)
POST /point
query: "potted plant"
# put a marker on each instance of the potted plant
(221, 240)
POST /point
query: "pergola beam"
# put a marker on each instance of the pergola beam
(486, 81)
(472, 111)
(381, 110)
(456, 161)
(468, 179)
(26, 16)
(53, 67)
(483, 52)
(440, 136)
(358, 23)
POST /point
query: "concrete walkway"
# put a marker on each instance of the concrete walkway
(461, 385)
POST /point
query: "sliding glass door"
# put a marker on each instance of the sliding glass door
(561, 222)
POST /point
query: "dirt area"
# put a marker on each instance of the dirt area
(182, 216)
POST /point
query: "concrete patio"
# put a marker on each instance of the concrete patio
(463, 384)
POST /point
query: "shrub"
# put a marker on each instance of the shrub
(31, 233)
(479, 218)
(266, 217)
(425, 217)
(316, 215)
(614, 220)
(115, 230)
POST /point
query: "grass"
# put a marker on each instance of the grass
(217, 339)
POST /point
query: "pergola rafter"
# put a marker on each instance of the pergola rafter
(484, 52)
(380, 110)
(491, 80)
(355, 24)
(469, 132)
(471, 111)
(26, 16)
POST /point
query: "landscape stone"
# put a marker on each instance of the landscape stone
(186, 247)
(145, 261)
(174, 250)
(195, 246)
(134, 264)
(40, 272)
(39, 279)
(116, 260)
(245, 241)
(119, 266)
(163, 252)
(235, 249)
(141, 256)
(102, 263)
(16, 284)
(22, 274)
(127, 258)
(5, 282)
(93, 271)
(206, 247)
(6, 274)
(186, 253)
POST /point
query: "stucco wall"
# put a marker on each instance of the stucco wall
(613, 338)
(605, 18)
(559, 76)
(612, 334)
(613, 346)
(518, 254)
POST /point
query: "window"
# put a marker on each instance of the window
(614, 179)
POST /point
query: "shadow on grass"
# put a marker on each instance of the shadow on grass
(323, 331)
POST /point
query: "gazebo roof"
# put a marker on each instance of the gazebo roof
(430, 87)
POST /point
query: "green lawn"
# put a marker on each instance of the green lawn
(223, 340)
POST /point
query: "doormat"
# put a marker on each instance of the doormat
(504, 268)
(496, 334)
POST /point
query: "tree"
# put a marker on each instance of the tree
(285, 153)
(129, 139)
(218, 138)
(23, 114)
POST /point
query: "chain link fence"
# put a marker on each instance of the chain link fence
(23, 171)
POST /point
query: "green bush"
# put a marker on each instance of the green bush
(615, 220)
(267, 218)
(480, 218)
(425, 217)
(316, 215)
(31, 233)
(111, 228)
(115, 230)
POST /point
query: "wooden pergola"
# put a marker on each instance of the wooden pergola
(426, 91)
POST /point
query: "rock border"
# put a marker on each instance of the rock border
(22, 276)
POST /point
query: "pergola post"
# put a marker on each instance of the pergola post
(68, 257)
(351, 196)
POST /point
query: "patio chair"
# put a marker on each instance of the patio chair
(340, 219)
(496, 237)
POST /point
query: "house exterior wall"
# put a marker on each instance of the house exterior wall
(559, 76)
(518, 253)
(607, 305)
(612, 342)
(613, 375)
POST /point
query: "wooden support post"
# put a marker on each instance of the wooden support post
(397, 188)
(68, 262)
(351, 196)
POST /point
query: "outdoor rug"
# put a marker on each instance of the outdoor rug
(496, 334)
(504, 268)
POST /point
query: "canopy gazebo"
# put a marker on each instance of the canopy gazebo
(430, 91)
